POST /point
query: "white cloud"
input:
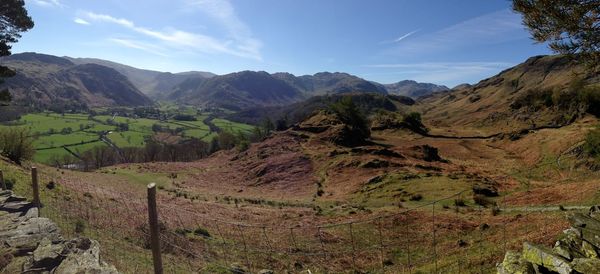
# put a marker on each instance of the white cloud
(223, 12)
(440, 72)
(48, 3)
(183, 40)
(147, 47)
(492, 28)
(80, 21)
(442, 65)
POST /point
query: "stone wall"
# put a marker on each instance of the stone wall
(576, 251)
(33, 244)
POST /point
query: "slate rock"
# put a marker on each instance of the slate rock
(544, 257)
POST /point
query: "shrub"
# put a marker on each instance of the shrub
(182, 231)
(320, 192)
(482, 200)
(459, 202)
(10, 183)
(184, 117)
(16, 145)
(592, 144)
(416, 197)
(590, 95)
(243, 145)
(413, 122)
(79, 226)
(200, 231)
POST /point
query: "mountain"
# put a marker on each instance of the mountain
(47, 81)
(329, 83)
(250, 89)
(414, 89)
(544, 90)
(151, 83)
(368, 103)
(236, 91)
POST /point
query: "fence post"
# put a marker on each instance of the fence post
(154, 232)
(2, 183)
(35, 186)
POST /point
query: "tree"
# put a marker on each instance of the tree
(413, 122)
(16, 145)
(13, 20)
(348, 112)
(569, 26)
(5, 96)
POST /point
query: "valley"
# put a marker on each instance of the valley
(60, 139)
(431, 193)
(300, 137)
(296, 179)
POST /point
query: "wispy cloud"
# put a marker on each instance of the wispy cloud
(48, 3)
(80, 21)
(442, 65)
(183, 40)
(147, 47)
(223, 12)
(440, 72)
(400, 38)
(492, 28)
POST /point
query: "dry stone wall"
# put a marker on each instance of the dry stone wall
(33, 244)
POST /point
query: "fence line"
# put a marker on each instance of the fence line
(440, 236)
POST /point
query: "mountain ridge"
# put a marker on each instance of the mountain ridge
(46, 81)
(414, 89)
(252, 89)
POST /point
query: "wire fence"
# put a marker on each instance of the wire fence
(460, 233)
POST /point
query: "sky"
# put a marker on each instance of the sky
(445, 42)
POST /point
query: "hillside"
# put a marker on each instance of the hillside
(300, 182)
(236, 91)
(414, 89)
(150, 82)
(368, 103)
(535, 93)
(46, 81)
(329, 83)
(250, 89)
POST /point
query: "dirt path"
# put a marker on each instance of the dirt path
(485, 137)
(544, 208)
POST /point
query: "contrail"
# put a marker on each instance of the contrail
(404, 36)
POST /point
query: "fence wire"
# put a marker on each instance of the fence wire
(448, 235)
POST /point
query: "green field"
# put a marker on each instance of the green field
(46, 156)
(79, 149)
(128, 138)
(57, 140)
(232, 127)
(82, 132)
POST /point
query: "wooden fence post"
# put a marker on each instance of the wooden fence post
(2, 183)
(154, 230)
(35, 187)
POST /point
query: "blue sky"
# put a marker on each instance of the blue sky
(443, 42)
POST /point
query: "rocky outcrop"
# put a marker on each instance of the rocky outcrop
(330, 128)
(577, 250)
(33, 244)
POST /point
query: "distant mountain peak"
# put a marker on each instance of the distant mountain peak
(414, 89)
(40, 58)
